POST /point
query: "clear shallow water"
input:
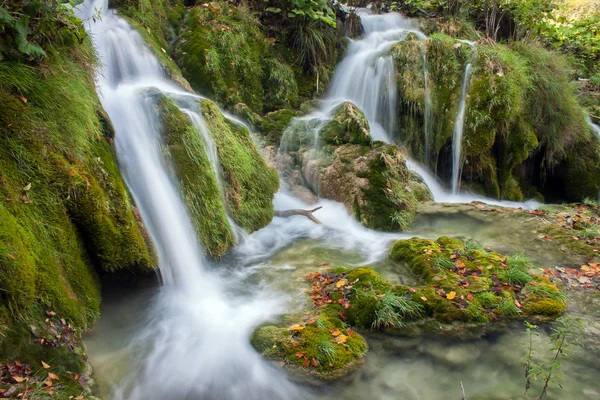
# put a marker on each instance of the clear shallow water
(395, 368)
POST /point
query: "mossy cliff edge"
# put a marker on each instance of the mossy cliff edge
(525, 131)
(66, 216)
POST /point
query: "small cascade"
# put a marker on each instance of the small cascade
(442, 195)
(460, 123)
(595, 128)
(197, 334)
(428, 112)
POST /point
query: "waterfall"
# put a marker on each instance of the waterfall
(442, 195)
(459, 125)
(428, 115)
(195, 344)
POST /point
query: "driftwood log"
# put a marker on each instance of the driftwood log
(307, 213)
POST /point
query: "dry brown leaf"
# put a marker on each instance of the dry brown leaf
(53, 376)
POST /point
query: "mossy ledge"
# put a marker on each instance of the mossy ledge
(66, 216)
(250, 183)
(198, 183)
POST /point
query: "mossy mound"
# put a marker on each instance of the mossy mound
(372, 182)
(320, 343)
(65, 214)
(348, 125)
(198, 181)
(224, 53)
(250, 183)
(470, 284)
(273, 124)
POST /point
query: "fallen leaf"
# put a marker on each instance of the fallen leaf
(341, 283)
(451, 295)
(299, 355)
(315, 362)
(423, 298)
(46, 366)
(10, 256)
(53, 376)
(341, 339)
(336, 332)
(296, 328)
(470, 297)
(27, 187)
(517, 303)
(412, 290)
(18, 379)
(306, 363)
(48, 382)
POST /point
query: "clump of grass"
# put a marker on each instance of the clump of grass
(444, 262)
(394, 309)
(326, 349)
(473, 245)
(589, 202)
(590, 231)
(517, 272)
(508, 309)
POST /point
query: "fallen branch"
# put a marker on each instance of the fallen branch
(307, 213)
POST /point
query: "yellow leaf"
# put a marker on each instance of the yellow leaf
(451, 295)
(423, 298)
(18, 379)
(336, 333)
(46, 366)
(48, 382)
(341, 283)
(585, 268)
(341, 339)
(53, 376)
(296, 328)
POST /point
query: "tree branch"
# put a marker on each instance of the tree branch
(307, 213)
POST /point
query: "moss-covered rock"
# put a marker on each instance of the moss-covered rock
(250, 183)
(467, 283)
(198, 181)
(348, 125)
(273, 124)
(372, 182)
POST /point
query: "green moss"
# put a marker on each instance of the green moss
(348, 125)
(198, 182)
(65, 212)
(482, 285)
(250, 183)
(273, 124)
(545, 307)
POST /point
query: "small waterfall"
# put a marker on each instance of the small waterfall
(196, 343)
(595, 128)
(442, 195)
(366, 76)
(459, 125)
(428, 115)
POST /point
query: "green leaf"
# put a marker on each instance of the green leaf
(273, 10)
(5, 17)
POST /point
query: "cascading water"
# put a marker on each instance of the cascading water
(595, 128)
(366, 77)
(459, 124)
(195, 344)
(428, 115)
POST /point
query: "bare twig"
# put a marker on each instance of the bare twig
(464, 396)
(307, 213)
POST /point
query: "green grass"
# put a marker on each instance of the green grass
(393, 310)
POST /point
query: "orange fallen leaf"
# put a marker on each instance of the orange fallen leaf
(453, 256)
(336, 332)
(341, 283)
(315, 362)
(470, 297)
(296, 328)
(46, 366)
(451, 295)
(412, 290)
(341, 339)
(18, 379)
(53, 376)
(517, 303)
(306, 363)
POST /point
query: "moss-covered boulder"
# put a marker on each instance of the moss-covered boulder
(199, 184)
(319, 343)
(471, 284)
(371, 181)
(348, 125)
(250, 183)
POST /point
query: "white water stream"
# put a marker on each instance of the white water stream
(459, 125)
